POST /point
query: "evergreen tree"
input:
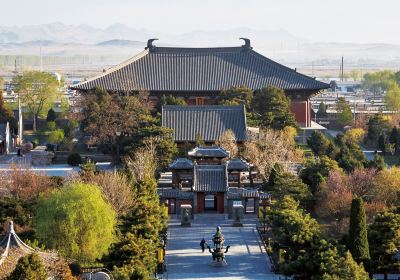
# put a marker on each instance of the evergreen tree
(378, 162)
(29, 267)
(134, 255)
(236, 96)
(322, 110)
(394, 139)
(358, 239)
(51, 115)
(382, 143)
(170, 100)
(272, 108)
(376, 126)
(384, 241)
(319, 143)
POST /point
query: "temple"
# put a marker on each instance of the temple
(210, 181)
(200, 74)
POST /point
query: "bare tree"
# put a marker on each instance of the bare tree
(270, 147)
(143, 164)
(228, 142)
(117, 190)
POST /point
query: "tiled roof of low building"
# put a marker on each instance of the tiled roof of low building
(210, 178)
(208, 152)
(166, 69)
(238, 164)
(209, 122)
(181, 163)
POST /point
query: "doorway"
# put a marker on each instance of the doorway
(210, 203)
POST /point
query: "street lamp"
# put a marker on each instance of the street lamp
(315, 110)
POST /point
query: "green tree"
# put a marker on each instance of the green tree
(322, 110)
(133, 256)
(51, 115)
(392, 97)
(382, 143)
(319, 143)
(29, 267)
(345, 115)
(384, 241)
(76, 221)
(315, 172)
(38, 91)
(236, 96)
(346, 269)
(376, 126)
(378, 162)
(287, 184)
(170, 100)
(350, 155)
(51, 125)
(56, 136)
(358, 238)
(272, 107)
(378, 82)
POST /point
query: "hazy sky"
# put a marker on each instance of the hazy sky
(320, 20)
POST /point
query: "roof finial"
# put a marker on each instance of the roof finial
(150, 43)
(246, 43)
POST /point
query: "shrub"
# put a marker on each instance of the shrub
(56, 136)
(74, 159)
(51, 125)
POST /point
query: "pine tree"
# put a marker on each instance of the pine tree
(382, 143)
(384, 239)
(358, 239)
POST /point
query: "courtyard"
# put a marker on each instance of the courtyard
(246, 257)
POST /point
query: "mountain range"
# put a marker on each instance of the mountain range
(58, 39)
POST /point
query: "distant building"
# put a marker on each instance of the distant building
(199, 74)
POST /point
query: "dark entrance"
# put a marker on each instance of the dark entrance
(210, 202)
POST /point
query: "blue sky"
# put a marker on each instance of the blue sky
(358, 21)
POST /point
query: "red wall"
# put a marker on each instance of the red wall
(220, 202)
(301, 111)
(200, 202)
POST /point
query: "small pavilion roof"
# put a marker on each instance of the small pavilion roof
(209, 152)
(210, 178)
(181, 163)
(238, 164)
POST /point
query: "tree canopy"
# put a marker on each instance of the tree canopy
(76, 221)
(29, 267)
(272, 107)
(38, 91)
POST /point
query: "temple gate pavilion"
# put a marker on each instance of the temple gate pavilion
(210, 181)
(199, 74)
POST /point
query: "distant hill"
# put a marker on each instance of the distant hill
(58, 39)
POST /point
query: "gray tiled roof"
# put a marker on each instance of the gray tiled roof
(209, 121)
(199, 69)
(213, 152)
(238, 164)
(174, 193)
(181, 163)
(210, 178)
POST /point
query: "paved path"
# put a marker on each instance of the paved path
(246, 257)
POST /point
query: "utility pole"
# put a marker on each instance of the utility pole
(342, 69)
